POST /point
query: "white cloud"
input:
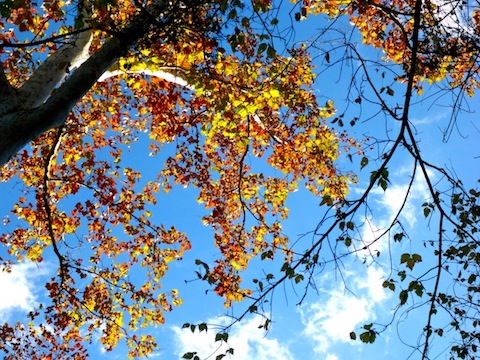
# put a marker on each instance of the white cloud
(247, 340)
(331, 357)
(19, 288)
(328, 322)
(372, 283)
(454, 16)
(390, 201)
(429, 119)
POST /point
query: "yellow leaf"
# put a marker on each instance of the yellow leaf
(177, 302)
(34, 252)
(274, 93)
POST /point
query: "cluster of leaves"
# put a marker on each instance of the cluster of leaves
(446, 46)
(221, 336)
(227, 115)
(87, 205)
(432, 44)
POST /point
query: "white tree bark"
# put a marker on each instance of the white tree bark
(164, 73)
(57, 66)
(35, 108)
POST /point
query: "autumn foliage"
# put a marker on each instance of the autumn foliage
(78, 192)
(245, 128)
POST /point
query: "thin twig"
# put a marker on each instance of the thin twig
(46, 204)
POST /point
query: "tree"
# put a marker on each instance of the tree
(89, 100)
(119, 69)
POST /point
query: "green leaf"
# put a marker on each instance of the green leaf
(271, 52)
(363, 162)
(261, 48)
(417, 287)
(426, 211)
(398, 237)
(403, 297)
(232, 14)
(404, 258)
(353, 336)
(472, 278)
(221, 337)
(188, 355)
(389, 284)
(383, 184)
(410, 260)
(267, 255)
(368, 337)
(326, 200)
(202, 327)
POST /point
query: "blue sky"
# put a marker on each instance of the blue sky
(348, 294)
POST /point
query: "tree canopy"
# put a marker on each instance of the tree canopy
(226, 102)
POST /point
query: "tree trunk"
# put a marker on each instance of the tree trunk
(35, 108)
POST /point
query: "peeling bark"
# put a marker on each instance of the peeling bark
(42, 108)
(54, 70)
(57, 66)
(169, 75)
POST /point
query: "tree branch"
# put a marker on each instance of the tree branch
(48, 210)
(19, 128)
(7, 93)
(51, 39)
(57, 66)
(433, 298)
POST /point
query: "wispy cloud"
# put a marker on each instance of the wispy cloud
(329, 320)
(360, 299)
(19, 288)
(342, 307)
(247, 340)
(430, 118)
